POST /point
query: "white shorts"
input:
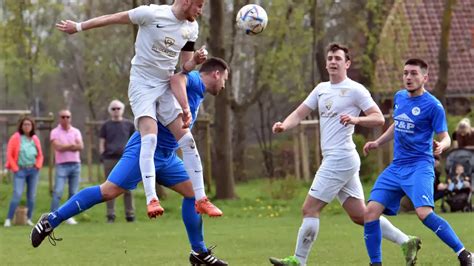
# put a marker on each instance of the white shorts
(338, 177)
(153, 100)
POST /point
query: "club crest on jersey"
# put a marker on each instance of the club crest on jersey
(328, 104)
(415, 111)
(344, 91)
(404, 123)
(168, 42)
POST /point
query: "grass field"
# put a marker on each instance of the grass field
(263, 222)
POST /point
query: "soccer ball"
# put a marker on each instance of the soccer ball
(252, 19)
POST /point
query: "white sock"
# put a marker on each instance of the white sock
(306, 236)
(392, 233)
(192, 164)
(147, 166)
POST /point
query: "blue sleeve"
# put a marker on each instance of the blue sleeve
(439, 123)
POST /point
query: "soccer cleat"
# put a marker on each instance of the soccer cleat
(288, 261)
(465, 258)
(204, 206)
(154, 209)
(42, 230)
(205, 258)
(375, 264)
(410, 250)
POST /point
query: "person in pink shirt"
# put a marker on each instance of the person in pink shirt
(67, 144)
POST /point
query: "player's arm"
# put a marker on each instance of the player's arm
(191, 58)
(443, 143)
(384, 138)
(373, 118)
(178, 86)
(72, 27)
(293, 119)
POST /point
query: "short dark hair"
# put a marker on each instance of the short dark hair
(213, 64)
(418, 62)
(20, 125)
(333, 47)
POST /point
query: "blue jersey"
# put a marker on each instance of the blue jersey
(195, 90)
(416, 119)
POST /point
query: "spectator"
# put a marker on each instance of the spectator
(24, 159)
(463, 137)
(67, 143)
(460, 180)
(114, 135)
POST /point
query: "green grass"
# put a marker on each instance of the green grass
(254, 227)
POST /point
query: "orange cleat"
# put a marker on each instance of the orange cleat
(154, 209)
(204, 206)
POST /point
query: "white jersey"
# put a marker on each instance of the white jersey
(333, 100)
(161, 36)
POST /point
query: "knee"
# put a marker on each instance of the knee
(423, 212)
(110, 192)
(186, 142)
(357, 219)
(308, 211)
(371, 214)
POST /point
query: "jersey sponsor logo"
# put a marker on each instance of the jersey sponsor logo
(415, 111)
(403, 123)
(166, 49)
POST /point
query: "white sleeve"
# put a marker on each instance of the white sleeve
(363, 99)
(141, 15)
(195, 32)
(312, 100)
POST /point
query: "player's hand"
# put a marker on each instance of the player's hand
(200, 55)
(438, 147)
(347, 119)
(67, 26)
(278, 127)
(371, 145)
(187, 118)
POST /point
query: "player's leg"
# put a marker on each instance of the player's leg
(352, 200)
(143, 103)
(171, 173)
(384, 198)
(129, 206)
(124, 176)
(169, 114)
(421, 194)
(325, 187)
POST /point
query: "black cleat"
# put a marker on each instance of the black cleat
(375, 264)
(205, 258)
(42, 230)
(465, 258)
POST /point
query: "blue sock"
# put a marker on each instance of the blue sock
(193, 223)
(373, 240)
(78, 203)
(443, 230)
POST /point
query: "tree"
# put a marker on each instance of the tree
(224, 175)
(442, 82)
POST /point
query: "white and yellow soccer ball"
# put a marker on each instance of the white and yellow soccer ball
(252, 19)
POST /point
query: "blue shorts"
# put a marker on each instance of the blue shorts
(415, 181)
(168, 166)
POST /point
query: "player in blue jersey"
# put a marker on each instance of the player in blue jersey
(170, 170)
(417, 116)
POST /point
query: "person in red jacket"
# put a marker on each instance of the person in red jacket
(24, 159)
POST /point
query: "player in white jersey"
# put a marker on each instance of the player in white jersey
(166, 34)
(339, 103)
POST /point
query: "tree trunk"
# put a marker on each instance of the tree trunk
(224, 176)
(442, 82)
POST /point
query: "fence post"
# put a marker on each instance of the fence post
(296, 152)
